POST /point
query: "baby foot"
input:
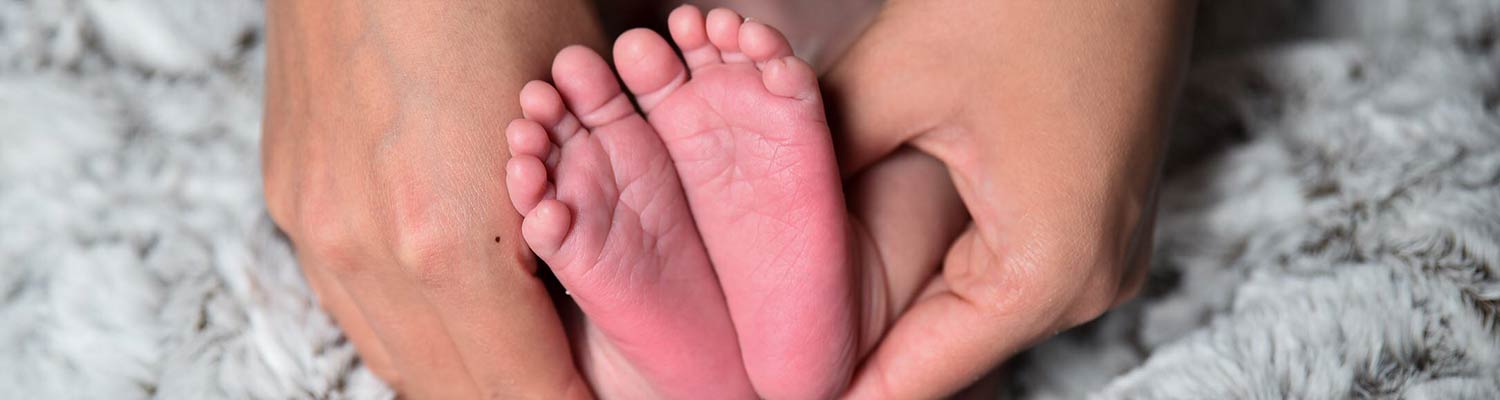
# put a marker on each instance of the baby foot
(744, 124)
(604, 208)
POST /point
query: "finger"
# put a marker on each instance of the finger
(950, 338)
(334, 299)
(408, 326)
(495, 308)
(876, 114)
(907, 213)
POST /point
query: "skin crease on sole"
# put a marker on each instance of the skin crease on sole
(743, 120)
(603, 207)
(742, 127)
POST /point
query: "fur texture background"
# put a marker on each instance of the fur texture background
(1329, 228)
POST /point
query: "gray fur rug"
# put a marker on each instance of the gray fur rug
(1330, 226)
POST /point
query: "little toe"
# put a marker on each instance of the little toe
(589, 88)
(688, 31)
(789, 76)
(723, 27)
(763, 43)
(545, 228)
(528, 138)
(648, 66)
(541, 102)
(526, 180)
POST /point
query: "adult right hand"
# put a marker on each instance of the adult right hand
(383, 156)
(1050, 126)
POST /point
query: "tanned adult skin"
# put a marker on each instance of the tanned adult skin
(383, 154)
(1049, 116)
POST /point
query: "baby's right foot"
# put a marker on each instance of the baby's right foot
(604, 208)
(744, 123)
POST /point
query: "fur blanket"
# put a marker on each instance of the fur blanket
(1330, 225)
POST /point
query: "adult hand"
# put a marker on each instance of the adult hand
(1048, 117)
(383, 162)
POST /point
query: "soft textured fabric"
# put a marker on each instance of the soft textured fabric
(1329, 226)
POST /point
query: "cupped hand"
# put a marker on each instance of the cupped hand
(1048, 119)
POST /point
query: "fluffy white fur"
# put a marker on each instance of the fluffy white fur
(1330, 225)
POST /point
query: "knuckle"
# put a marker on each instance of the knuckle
(432, 232)
(331, 244)
(324, 234)
(427, 254)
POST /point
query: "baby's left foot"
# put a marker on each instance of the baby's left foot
(603, 207)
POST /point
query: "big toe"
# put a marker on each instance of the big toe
(648, 66)
(588, 87)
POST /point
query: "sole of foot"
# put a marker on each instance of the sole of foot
(744, 123)
(604, 208)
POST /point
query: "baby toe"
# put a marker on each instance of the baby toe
(763, 43)
(526, 180)
(528, 138)
(542, 103)
(545, 228)
(790, 77)
(686, 24)
(723, 27)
